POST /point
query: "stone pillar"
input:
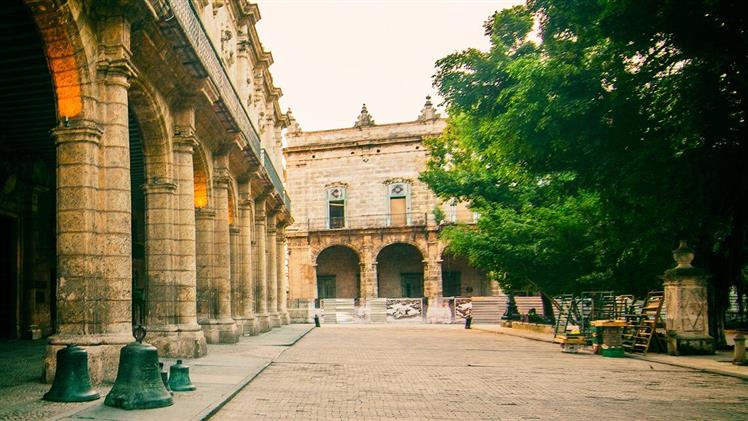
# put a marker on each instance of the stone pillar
(94, 234)
(282, 278)
(368, 287)
(206, 308)
(260, 265)
(221, 327)
(686, 305)
(184, 338)
(235, 264)
(79, 280)
(244, 313)
(272, 271)
(432, 269)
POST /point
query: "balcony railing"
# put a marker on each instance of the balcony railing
(275, 178)
(182, 26)
(368, 221)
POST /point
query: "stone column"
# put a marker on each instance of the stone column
(432, 279)
(260, 265)
(187, 340)
(272, 271)
(221, 327)
(368, 286)
(282, 278)
(204, 263)
(244, 313)
(95, 258)
(686, 305)
(79, 280)
(235, 263)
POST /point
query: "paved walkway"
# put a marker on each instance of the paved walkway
(719, 363)
(218, 376)
(447, 372)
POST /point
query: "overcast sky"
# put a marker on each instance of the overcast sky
(332, 56)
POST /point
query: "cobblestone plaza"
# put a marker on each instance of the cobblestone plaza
(438, 372)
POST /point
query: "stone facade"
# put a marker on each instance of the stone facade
(165, 153)
(365, 225)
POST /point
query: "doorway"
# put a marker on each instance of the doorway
(9, 277)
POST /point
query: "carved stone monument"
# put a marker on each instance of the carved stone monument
(686, 306)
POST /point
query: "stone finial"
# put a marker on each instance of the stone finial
(683, 255)
(428, 112)
(364, 119)
(293, 125)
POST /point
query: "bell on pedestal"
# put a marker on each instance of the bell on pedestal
(72, 382)
(138, 384)
(179, 378)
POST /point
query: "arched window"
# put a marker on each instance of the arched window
(399, 204)
(336, 207)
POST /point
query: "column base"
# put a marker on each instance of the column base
(103, 355)
(220, 331)
(247, 326)
(274, 320)
(178, 341)
(263, 323)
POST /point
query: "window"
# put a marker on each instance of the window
(336, 208)
(453, 211)
(326, 286)
(451, 284)
(411, 285)
(399, 198)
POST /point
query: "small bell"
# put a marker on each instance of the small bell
(139, 384)
(179, 378)
(164, 376)
(72, 381)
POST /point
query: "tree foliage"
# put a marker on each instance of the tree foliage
(595, 134)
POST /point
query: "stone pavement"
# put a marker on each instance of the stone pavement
(719, 363)
(446, 372)
(218, 376)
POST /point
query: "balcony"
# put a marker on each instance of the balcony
(182, 26)
(369, 221)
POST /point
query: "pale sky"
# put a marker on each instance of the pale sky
(332, 56)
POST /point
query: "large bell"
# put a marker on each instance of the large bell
(179, 378)
(72, 382)
(138, 384)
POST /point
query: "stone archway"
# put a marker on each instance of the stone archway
(459, 278)
(400, 271)
(338, 272)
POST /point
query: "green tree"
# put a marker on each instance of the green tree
(591, 145)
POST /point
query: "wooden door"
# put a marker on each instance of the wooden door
(398, 214)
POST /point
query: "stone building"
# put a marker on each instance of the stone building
(365, 226)
(140, 176)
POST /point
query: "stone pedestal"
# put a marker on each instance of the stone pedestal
(686, 306)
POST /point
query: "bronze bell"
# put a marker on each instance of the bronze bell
(138, 384)
(179, 378)
(72, 382)
(164, 376)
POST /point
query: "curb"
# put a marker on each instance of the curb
(211, 410)
(691, 367)
(637, 357)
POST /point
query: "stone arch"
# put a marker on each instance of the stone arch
(67, 57)
(149, 110)
(400, 270)
(338, 272)
(384, 244)
(316, 251)
(202, 178)
(459, 277)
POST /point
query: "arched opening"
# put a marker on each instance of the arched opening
(137, 202)
(338, 273)
(400, 271)
(460, 279)
(27, 179)
(200, 175)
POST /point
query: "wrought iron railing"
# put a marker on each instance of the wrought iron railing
(368, 221)
(182, 25)
(275, 178)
